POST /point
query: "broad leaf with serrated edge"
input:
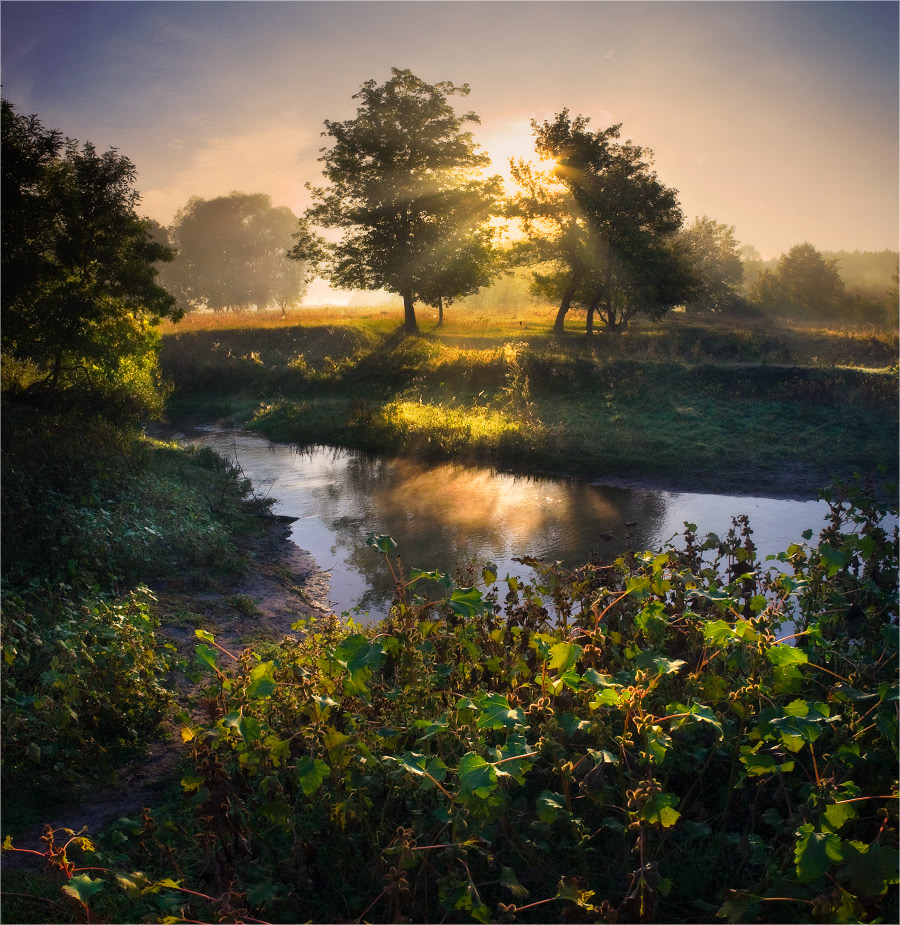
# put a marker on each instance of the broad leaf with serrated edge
(83, 888)
(477, 776)
(815, 852)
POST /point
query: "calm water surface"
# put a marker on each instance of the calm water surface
(441, 516)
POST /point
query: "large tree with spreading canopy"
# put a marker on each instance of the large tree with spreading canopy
(601, 223)
(406, 189)
(232, 254)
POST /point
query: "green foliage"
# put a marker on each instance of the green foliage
(601, 224)
(404, 186)
(477, 757)
(82, 679)
(80, 297)
(87, 519)
(714, 257)
(131, 512)
(803, 283)
(232, 254)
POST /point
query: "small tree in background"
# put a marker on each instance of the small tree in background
(469, 261)
(712, 251)
(80, 293)
(405, 188)
(803, 283)
(232, 254)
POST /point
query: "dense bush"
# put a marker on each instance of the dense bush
(82, 679)
(674, 736)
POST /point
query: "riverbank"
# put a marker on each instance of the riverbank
(116, 549)
(279, 585)
(319, 767)
(325, 767)
(701, 406)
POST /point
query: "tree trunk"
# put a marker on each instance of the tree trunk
(54, 376)
(589, 326)
(611, 318)
(564, 306)
(440, 311)
(409, 314)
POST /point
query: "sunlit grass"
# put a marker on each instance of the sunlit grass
(458, 428)
(687, 395)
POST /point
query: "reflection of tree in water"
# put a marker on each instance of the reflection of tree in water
(441, 516)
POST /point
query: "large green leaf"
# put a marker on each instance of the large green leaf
(658, 743)
(358, 653)
(608, 697)
(564, 655)
(249, 729)
(467, 602)
(549, 806)
(311, 772)
(83, 888)
(496, 713)
(782, 656)
(837, 815)
(660, 663)
(477, 776)
(802, 722)
(508, 762)
(206, 657)
(660, 810)
(833, 558)
(421, 766)
(262, 680)
(718, 632)
(382, 542)
(871, 869)
(760, 764)
(815, 852)
(510, 881)
(705, 714)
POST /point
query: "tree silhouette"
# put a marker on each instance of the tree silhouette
(405, 188)
(714, 256)
(232, 254)
(80, 294)
(602, 223)
(803, 282)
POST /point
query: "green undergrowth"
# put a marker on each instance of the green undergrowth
(91, 516)
(681, 735)
(675, 399)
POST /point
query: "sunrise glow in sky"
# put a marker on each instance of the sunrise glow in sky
(779, 118)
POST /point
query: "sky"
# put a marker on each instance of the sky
(779, 118)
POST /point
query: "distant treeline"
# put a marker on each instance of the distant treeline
(871, 272)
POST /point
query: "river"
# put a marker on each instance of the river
(441, 516)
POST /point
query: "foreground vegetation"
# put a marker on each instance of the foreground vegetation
(676, 736)
(84, 680)
(714, 402)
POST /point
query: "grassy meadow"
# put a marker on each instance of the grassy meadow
(722, 404)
